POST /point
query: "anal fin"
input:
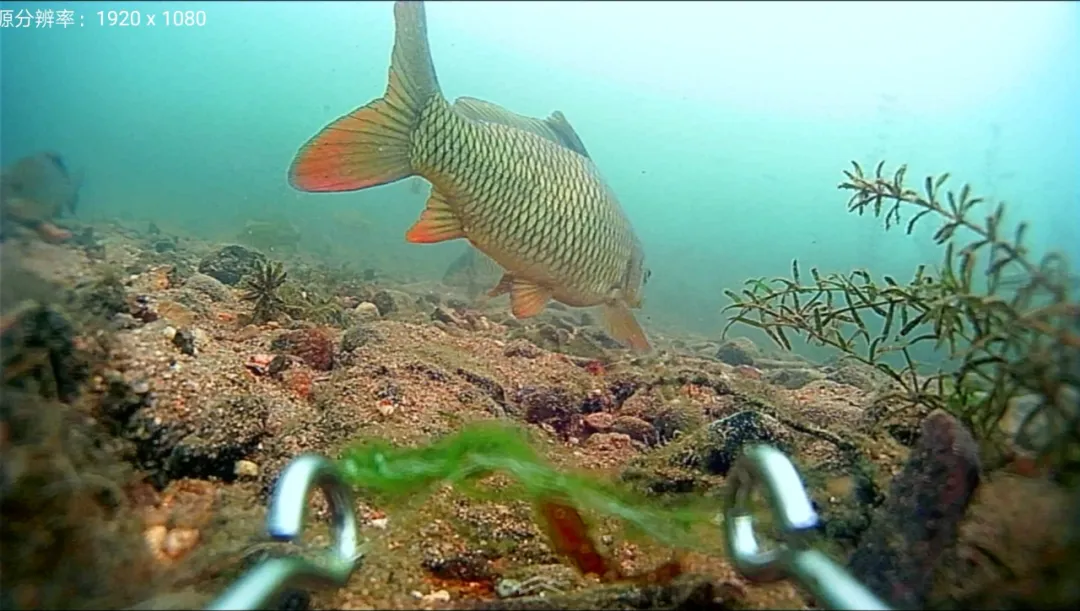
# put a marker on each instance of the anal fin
(624, 327)
(526, 298)
(438, 222)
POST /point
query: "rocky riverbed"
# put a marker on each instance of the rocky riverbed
(147, 412)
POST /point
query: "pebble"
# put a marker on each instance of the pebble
(366, 311)
(246, 468)
(436, 596)
(179, 541)
(248, 332)
(600, 421)
(169, 332)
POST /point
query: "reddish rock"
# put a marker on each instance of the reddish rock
(920, 519)
(314, 346)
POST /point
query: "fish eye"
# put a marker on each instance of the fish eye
(648, 274)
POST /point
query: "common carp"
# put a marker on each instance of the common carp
(540, 209)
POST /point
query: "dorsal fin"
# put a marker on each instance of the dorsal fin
(558, 123)
(554, 128)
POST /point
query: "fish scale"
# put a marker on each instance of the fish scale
(522, 191)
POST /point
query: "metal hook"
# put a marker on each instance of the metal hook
(770, 469)
(285, 522)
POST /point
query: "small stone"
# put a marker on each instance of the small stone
(201, 336)
(209, 286)
(727, 437)
(366, 311)
(180, 541)
(314, 346)
(437, 596)
(259, 363)
(155, 538)
(184, 339)
(246, 468)
(443, 315)
(123, 320)
(175, 313)
(248, 332)
(357, 336)
(600, 421)
(279, 363)
(380, 523)
(523, 348)
(231, 263)
(390, 301)
(748, 371)
(636, 428)
(793, 379)
(739, 351)
(169, 332)
(607, 442)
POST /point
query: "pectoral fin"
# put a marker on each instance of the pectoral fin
(438, 222)
(527, 299)
(505, 284)
(622, 325)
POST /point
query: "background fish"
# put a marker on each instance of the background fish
(37, 189)
(472, 271)
(539, 209)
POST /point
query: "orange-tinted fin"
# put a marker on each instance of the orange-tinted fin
(527, 299)
(624, 327)
(372, 145)
(365, 148)
(438, 222)
(506, 283)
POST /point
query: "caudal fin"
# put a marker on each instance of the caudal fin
(371, 145)
(624, 327)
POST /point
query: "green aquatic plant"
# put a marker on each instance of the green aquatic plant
(482, 449)
(261, 287)
(1008, 323)
(313, 306)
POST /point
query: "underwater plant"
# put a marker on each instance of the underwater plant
(307, 302)
(261, 287)
(484, 448)
(1009, 324)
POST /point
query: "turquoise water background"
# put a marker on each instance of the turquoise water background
(723, 127)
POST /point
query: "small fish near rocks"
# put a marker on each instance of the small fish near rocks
(36, 190)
